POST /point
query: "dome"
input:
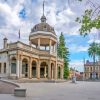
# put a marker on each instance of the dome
(43, 26)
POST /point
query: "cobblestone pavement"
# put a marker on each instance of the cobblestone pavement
(58, 91)
(6, 88)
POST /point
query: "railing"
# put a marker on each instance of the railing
(29, 48)
(44, 52)
(60, 59)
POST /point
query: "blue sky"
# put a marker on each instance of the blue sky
(24, 14)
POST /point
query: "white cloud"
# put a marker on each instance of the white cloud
(10, 16)
(92, 40)
(94, 36)
(77, 64)
(77, 48)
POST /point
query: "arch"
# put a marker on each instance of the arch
(13, 65)
(43, 70)
(25, 59)
(25, 68)
(34, 64)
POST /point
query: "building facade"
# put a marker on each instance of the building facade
(91, 72)
(36, 60)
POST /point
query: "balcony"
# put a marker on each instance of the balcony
(60, 59)
(23, 46)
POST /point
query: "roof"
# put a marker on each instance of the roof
(88, 63)
(43, 27)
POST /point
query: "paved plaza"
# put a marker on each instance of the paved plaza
(58, 91)
(6, 88)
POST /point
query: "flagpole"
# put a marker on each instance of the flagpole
(19, 35)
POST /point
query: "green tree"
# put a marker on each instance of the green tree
(92, 51)
(87, 23)
(98, 51)
(63, 53)
(90, 19)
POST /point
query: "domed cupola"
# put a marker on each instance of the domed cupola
(44, 32)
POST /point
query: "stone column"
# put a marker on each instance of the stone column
(8, 66)
(89, 75)
(50, 45)
(56, 72)
(45, 74)
(17, 67)
(45, 47)
(38, 70)
(49, 70)
(38, 43)
(2, 67)
(56, 48)
(20, 67)
(30, 68)
(30, 45)
(61, 73)
(52, 72)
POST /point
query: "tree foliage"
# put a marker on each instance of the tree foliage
(63, 53)
(91, 17)
(87, 23)
(94, 50)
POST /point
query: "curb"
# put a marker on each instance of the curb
(9, 82)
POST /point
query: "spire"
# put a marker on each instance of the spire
(43, 8)
(43, 18)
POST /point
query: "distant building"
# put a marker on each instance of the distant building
(91, 72)
(79, 75)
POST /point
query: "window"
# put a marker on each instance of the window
(0, 67)
(91, 68)
(4, 67)
(13, 68)
(85, 68)
(45, 28)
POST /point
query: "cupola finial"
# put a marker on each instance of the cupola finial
(43, 18)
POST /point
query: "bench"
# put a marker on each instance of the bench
(20, 92)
